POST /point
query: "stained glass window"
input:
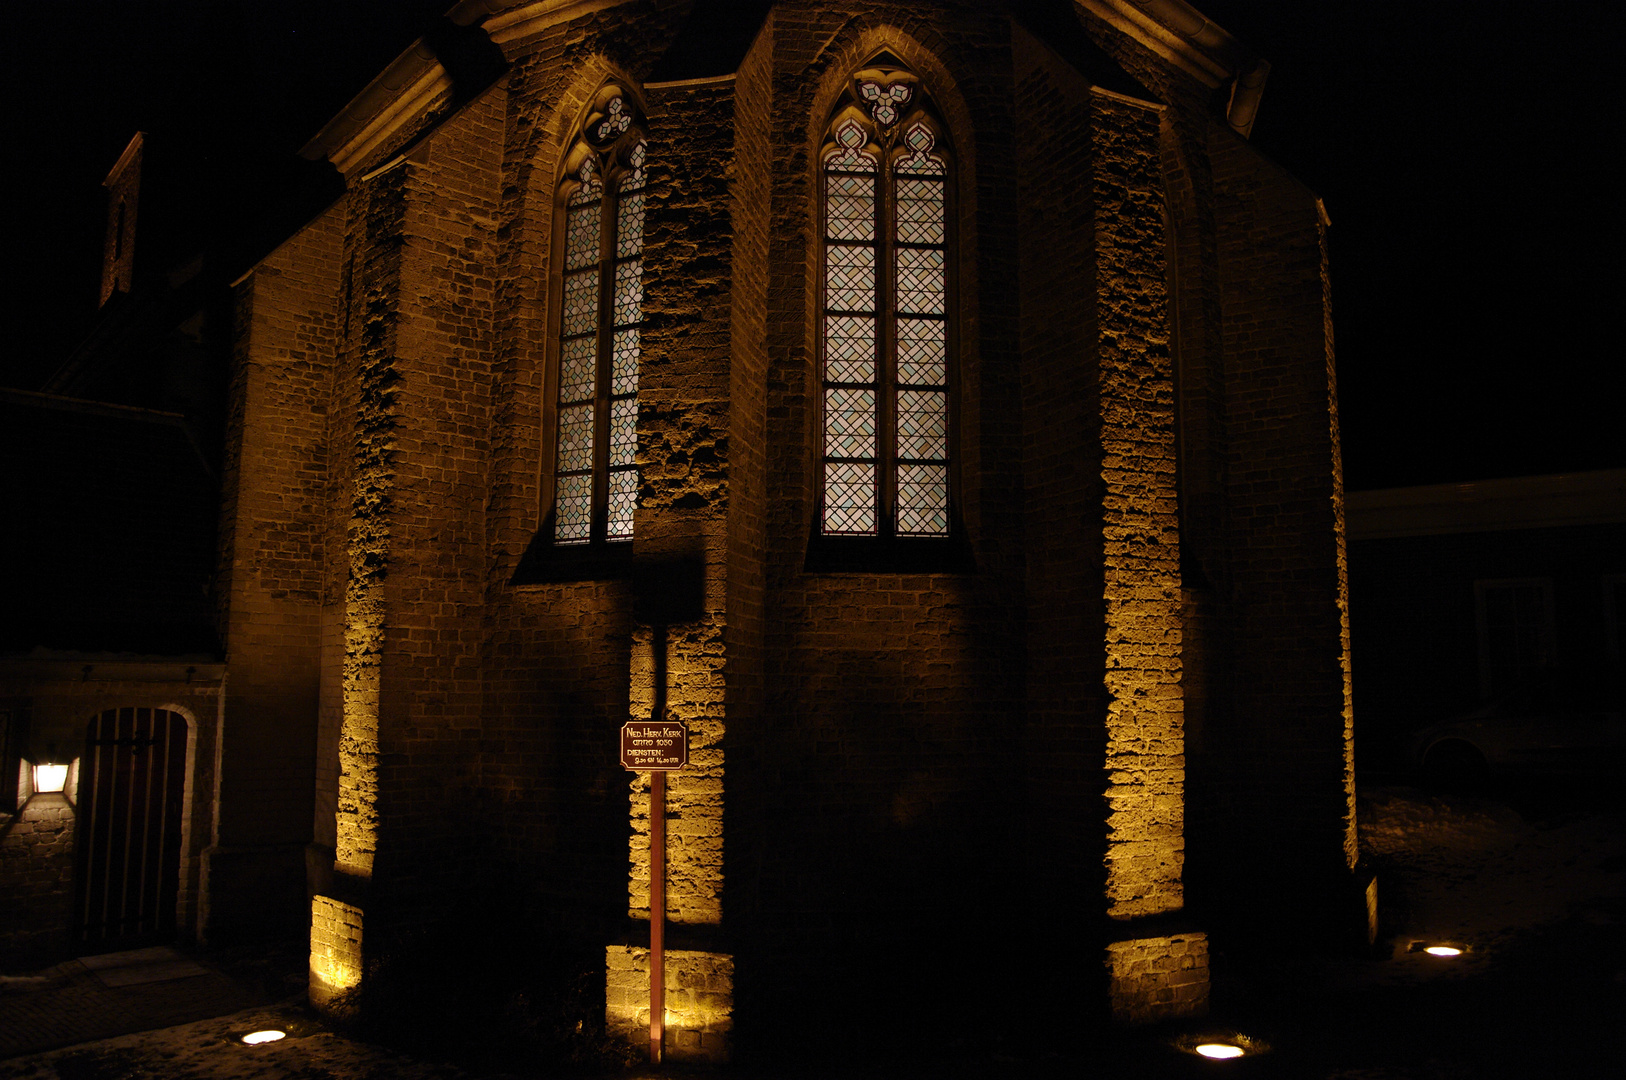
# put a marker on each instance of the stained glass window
(600, 323)
(886, 450)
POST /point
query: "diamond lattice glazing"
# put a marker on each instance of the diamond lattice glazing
(849, 348)
(629, 224)
(572, 522)
(849, 207)
(920, 211)
(623, 431)
(576, 375)
(629, 292)
(576, 438)
(581, 236)
(849, 422)
(623, 503)
(624, 362)
(849, 278)
(921, 352)
(581, 303)
(849, 499)
(920, 281)
(922, 425)
(923, 500)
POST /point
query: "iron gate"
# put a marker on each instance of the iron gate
(131, 792)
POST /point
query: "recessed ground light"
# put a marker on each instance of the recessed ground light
(255, 1038)
(1443, 950)
(1219, 1050)
(1220, 1045)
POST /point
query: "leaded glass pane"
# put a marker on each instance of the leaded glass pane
(629, 224)
(581, 236)
(634, 180)
(849, 154)
(623, 431)
(591, 187)
(572, 519)
(576, 438)
(920, 211)
(849, 422)
(920, 281)
(921, 352)
(849, 206)
(922, 424)
(576, 374)
(849, 348)
(624, 362)
(581, 303)
(923, 500)
(849, 498)
(623, 503)
(849, 278)
(629, 292)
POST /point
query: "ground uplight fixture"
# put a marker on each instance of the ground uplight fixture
(1437, 948)
(255, 1038)
(1220, 1045)
(1219, 1051)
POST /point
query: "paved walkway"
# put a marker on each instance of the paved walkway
(99, 997)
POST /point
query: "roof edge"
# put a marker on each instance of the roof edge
(1517, 502)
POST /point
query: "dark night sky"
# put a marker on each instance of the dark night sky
(1460, 147)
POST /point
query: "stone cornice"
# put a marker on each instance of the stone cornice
(1178, 33)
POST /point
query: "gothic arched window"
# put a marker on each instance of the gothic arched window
(600, 313)
(885, 329)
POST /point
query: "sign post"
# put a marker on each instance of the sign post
(656, 747)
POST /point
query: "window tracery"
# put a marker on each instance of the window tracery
(600, 319)
(884, 320)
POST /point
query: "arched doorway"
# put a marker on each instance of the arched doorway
(131, 804)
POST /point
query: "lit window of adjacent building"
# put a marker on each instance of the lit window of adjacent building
(599, 318)
(885, 328)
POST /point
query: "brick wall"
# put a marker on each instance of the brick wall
(271, 587)
(1289, 739)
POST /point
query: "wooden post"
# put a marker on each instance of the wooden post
(657, 915)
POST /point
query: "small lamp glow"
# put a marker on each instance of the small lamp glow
(1443, 950)
(50, 778)
(1219, 1051)
(255, 1038)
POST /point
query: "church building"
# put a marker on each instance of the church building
(930, 405)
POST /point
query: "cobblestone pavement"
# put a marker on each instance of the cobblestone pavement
(213, 1050)
(104, 996)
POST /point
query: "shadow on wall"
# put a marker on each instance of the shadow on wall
(886, 884)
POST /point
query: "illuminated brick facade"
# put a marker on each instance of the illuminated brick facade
(892, 743)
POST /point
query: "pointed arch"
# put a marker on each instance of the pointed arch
(885, 334)
(595, 322)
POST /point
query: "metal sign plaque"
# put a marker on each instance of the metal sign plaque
(654, 745)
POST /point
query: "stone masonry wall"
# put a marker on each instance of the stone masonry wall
(1145, 748)
(683, 457)
(36, 877)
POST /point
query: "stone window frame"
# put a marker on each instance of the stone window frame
(610, 130)
(886, 118)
